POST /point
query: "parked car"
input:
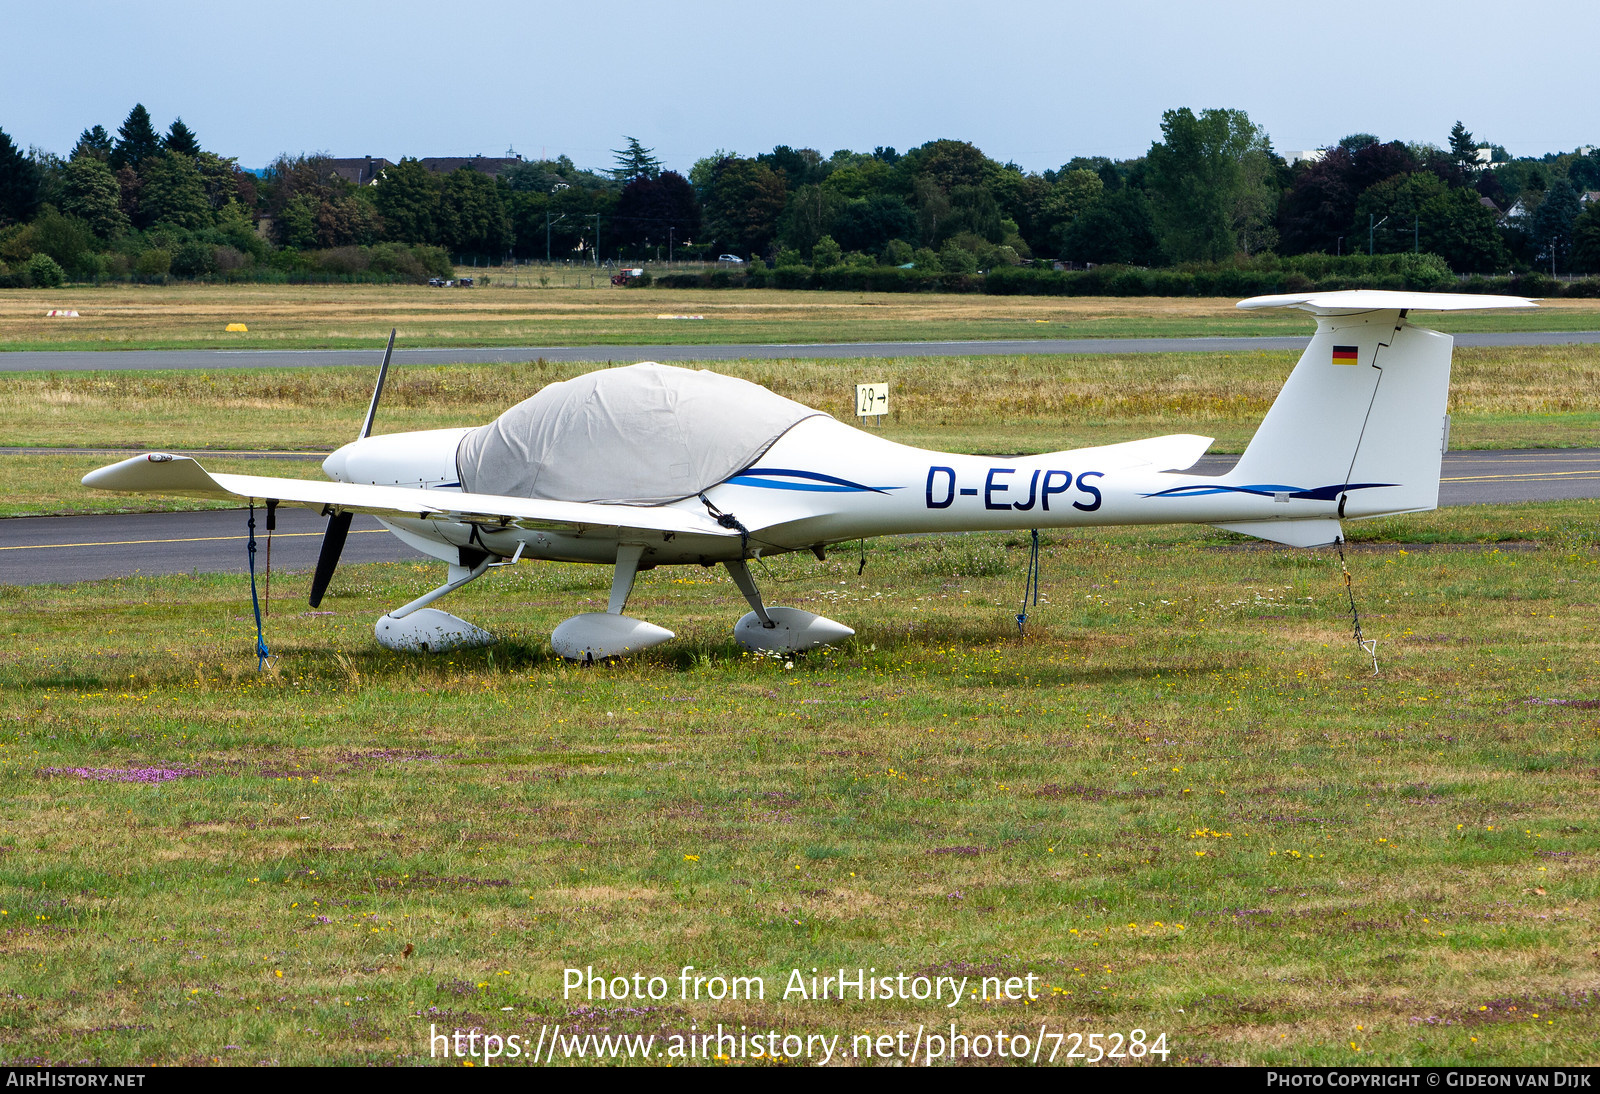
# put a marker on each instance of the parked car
(734, 259)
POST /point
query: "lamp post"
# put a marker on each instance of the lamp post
(547, 223)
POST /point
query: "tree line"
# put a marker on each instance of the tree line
(1211, 191)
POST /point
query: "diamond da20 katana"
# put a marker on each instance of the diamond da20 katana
(651, 465)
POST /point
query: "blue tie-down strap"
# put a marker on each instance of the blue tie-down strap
(262, 653)
(1031, 587)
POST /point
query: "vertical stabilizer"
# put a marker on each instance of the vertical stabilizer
(1361, 421)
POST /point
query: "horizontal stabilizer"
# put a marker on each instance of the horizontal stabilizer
(1291, 533)
(1171, 453)
(1356, 301)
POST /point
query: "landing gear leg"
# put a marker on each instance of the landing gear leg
(739, 570)
(628, 555)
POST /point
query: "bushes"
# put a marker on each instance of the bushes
(209, 254)
(39, 271)
(1264, 275)
(792, 277)
(153, 264)
(194, 259)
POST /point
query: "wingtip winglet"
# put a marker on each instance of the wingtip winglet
(155, 473)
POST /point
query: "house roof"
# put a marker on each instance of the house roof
(360, 170)
(489, 165)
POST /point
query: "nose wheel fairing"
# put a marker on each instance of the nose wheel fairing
(429, 630)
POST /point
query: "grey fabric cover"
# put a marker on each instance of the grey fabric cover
(645, 434)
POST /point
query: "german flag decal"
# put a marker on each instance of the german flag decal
(1344, 355)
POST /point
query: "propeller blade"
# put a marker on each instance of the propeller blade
(372, 408)
(332, 546)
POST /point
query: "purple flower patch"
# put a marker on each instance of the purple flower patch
(150, 775)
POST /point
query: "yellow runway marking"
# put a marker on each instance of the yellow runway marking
(1529, 476)
(191, 539)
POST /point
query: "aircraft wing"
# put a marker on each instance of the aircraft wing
(163, 473)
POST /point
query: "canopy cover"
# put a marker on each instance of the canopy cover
(645, 434)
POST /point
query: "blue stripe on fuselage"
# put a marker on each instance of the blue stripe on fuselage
(816, 482)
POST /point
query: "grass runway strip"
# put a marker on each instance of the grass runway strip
(1183, 803)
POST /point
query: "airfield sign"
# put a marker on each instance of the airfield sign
(872, 400)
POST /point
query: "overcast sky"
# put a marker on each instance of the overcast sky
(1026, 80)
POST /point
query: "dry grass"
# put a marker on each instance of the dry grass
(316, 409)
(279, 317)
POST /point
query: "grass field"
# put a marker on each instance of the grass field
(1532, 397)
(360, 316)
(1183, 803)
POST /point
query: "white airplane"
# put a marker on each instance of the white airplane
(651, 465)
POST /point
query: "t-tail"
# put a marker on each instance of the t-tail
(1362, 421)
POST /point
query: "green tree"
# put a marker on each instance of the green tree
(954, 258)
(1552, 226)
(809, 216)
(220, 177)
(1457, 227)
(1419, 211)
(347, 219)
(869, 224)
(933, 209)
(65, 239)
(949, 164)
(180, 140)
(152, 265)
(826, 253)
(174, 192)
(44, 272)
(705, 170)
(634, 162)
(472, 214)
(137, 140)
(897, 252)
(91, 193)
(1463, 151)
(94, 142)
(798, 166)
(1071, 194)
(1119, 228)
(658, 212)
(296, 222)
(19, 184)
(861, 178)
(407, 198)
(1209, 180)
(742, 205)
(1585, 256)
(974, 209)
